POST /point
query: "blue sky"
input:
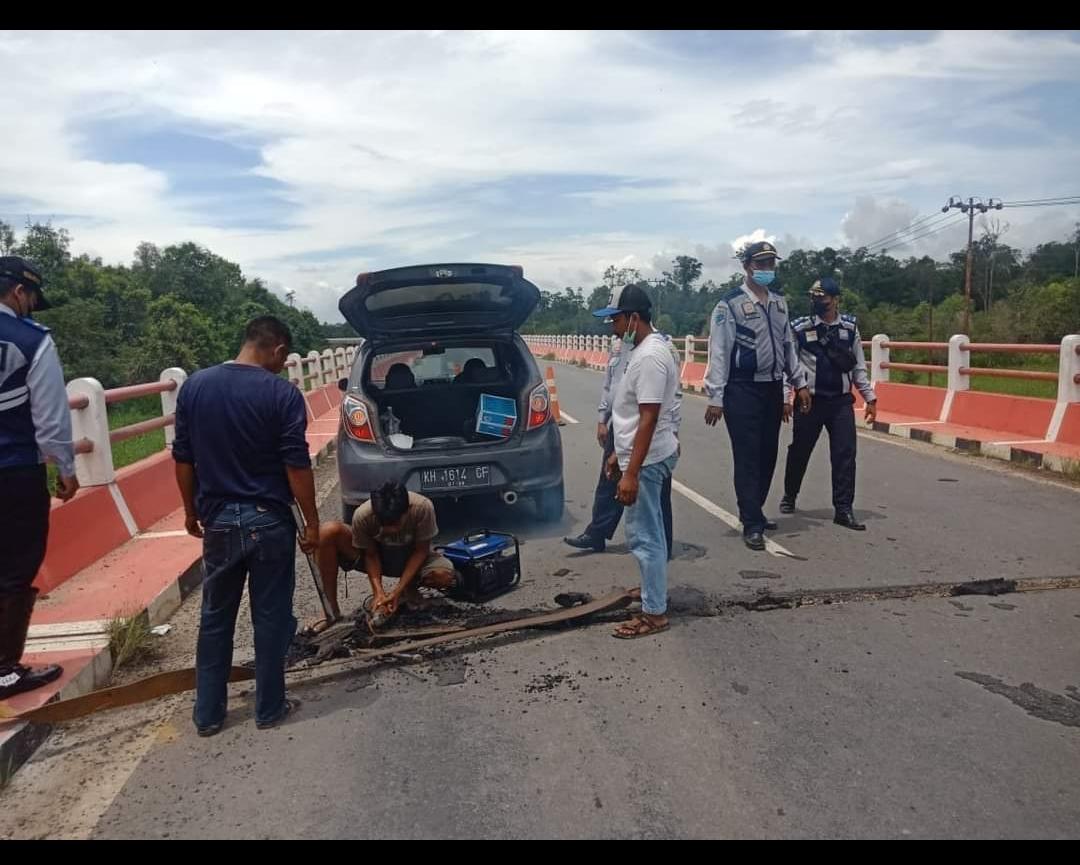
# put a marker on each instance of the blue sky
(310, 156)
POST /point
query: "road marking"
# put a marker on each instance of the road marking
(149, 536)
(567, 418)
(725, 516)
(1023, 442)
(919, 423)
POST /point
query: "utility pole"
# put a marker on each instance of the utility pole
(655, 283)
(970, 207)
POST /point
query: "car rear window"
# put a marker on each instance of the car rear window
(406, 298)
(436, 367)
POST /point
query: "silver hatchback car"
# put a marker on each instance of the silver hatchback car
(443, 394)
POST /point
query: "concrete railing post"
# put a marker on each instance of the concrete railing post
(879, 354)
(92, 422)
(1068, 387)
(168, 399)
(295, 369)
(957, 381)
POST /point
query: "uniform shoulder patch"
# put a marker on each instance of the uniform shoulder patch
(29, 322)
(720, 313)
(847, 318)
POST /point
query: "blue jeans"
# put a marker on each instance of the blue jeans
(645, 533)
(245, 540)
(606, 510)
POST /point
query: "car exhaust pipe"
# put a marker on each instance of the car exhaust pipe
(510, 497)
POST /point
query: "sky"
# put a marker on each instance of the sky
(308, 157)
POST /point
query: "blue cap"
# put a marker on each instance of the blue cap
(828, 285)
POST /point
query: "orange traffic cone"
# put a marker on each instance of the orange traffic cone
(553, 393)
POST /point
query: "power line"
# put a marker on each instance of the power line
(1062, 203)
(911, 226)
(953, 220)
(1049, 202)
(930, 228)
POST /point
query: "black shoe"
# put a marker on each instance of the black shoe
(212, 730)
(771, 526)
(787, 505)
(754, 540)
(848, 521)
(585, 541)
(290, 706)
(19, 679)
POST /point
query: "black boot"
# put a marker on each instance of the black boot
(787, 505)
(585, 541)
(848, 521)
(15, 612)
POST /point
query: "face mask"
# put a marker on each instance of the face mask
(820, 306)
(630, 337)
(764, 277)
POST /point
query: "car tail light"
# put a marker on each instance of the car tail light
(539, 408)
(357, 422)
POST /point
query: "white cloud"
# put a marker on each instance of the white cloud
(409, 144)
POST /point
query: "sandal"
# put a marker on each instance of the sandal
(317, 627)
(643, 625)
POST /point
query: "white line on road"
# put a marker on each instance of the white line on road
(725, 516)
(566, 417)
(919, 423)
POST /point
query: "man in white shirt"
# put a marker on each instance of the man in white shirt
(645, 420)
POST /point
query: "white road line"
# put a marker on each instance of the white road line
(724, 516)
(1023, 442)
(566, 417)
(149, 536)
(919, 423)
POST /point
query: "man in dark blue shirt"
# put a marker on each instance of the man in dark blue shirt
(241, 458)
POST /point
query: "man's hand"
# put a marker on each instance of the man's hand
(191, 523)
(611, 468)
(388, 603)
(871, 412)
(713, 415)
(309, 543)
(628, 489)
(601, 434)
(66, 487)
(802, 397)
(787, 412)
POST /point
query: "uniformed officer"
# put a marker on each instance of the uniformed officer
(831, 350)
(35, 423)
(606, 510)
(750, 351)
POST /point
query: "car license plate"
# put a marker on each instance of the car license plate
(455, 477)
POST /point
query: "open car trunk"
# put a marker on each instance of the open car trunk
(432, 394)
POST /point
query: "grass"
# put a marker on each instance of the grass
(132, 450)
(130, 639)
(1011, 386)
(986, 384)
(1071, 469)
